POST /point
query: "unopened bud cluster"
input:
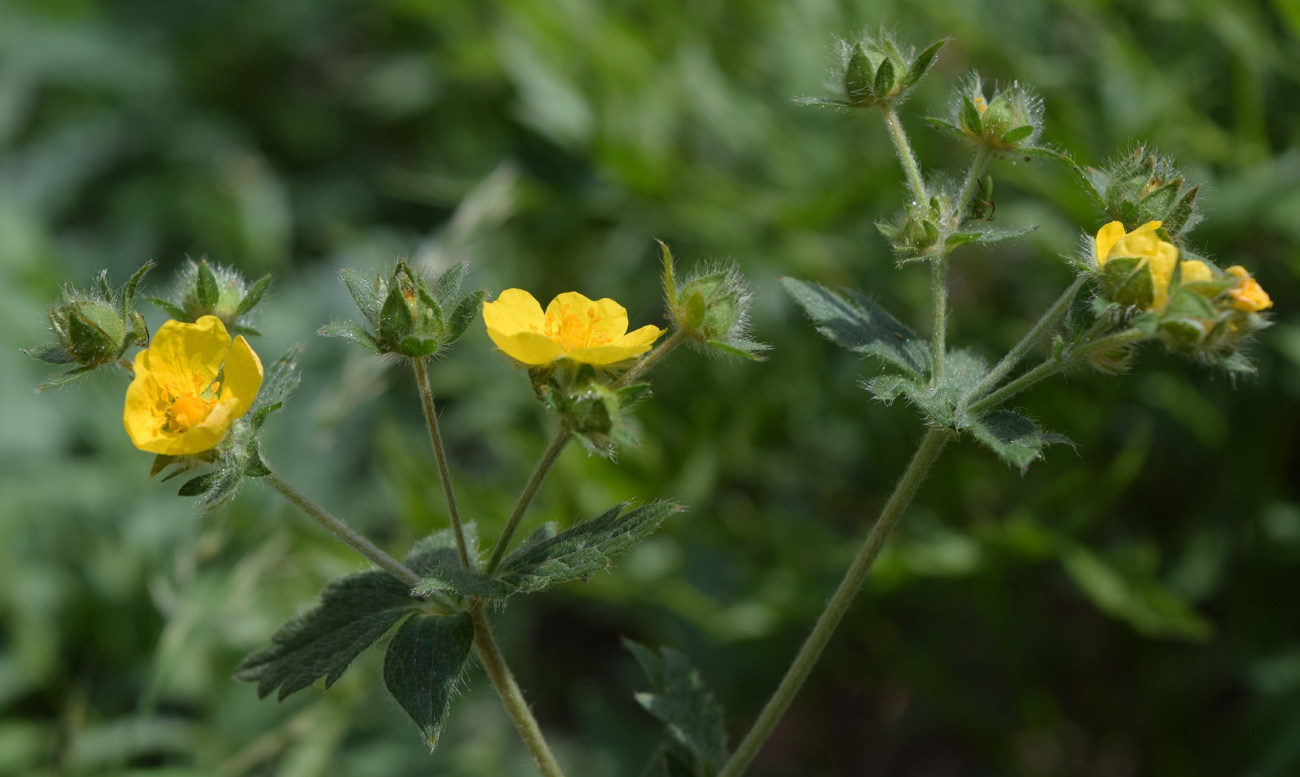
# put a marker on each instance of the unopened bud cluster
(205, 288)
(595, 410)
(406, 317)
(876, 71)
(1144, 186)
(918, 231)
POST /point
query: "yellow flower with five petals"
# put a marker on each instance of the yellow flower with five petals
(572, 327)
(1145, 246)
(175, 404)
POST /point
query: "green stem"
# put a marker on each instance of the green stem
(939, 307)
(544, 464)
(977, 167)
(926, 453)
(489, 655)
(1013, 357)
(341, 530)
(439, 453)
(905, 156)
(651, 359)
(1051, 367)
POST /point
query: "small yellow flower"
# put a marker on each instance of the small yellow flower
(1249, 295)
(1142, 243)
(1195, 271)
(174, 404)
(573, 327)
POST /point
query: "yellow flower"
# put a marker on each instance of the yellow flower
(175, 404)
(573, 327)
(1145, 245)
(1195, 271)
(1249, 295)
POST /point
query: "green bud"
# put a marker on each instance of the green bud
(1011, 121)
(1144, 186)
(875, 71)
(204, 288)
(404, 316)
(712, 307)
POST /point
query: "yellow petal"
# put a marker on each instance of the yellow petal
(513, 312)
(1107, 236)
(188, 354)
(242, 376)
(1163, 258)
(601, 321)
(631, 344)
(145, 410)
(528, 347)
(1195, 271)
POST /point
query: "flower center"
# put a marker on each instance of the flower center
(573, 330)
(187, 409)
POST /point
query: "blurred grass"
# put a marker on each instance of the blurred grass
(1123, 610)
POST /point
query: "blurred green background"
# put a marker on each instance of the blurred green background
(1120, 610)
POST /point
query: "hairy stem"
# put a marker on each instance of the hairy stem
(1013, 357)
(439, 453)
(926, 454)
(651, 359)
(543, 467)
(939, 307)
(489, 655)
(905, 156)
(977, 167)
(341, 530)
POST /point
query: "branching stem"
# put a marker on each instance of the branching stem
(440, 453)
(926, 454)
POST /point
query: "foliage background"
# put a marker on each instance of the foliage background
(1117, 611)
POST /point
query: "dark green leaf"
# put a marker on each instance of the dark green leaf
(693, 717)
(583, 549)
(883, 84)
(206, 289)
(1014, 438)
(127, 302)
(365, 291)
(170, 308)
(424, 662)
(463, 315)
(254, 295)
(963, 370)
(354, 612)
(344, 329)
(921, 65)
(860, 325)
(989, 235)
(1018, 134)
(970, 116)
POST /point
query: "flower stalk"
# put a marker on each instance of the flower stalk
(544, 464)
(440, 454)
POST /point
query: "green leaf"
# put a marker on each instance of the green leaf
(582, 549)
(990, 235)
(883, 84)
(1134, 597)
(395, 321)
(463, 315)
(344, 329)
(447, 287)
(423, 665)
(280, 381)
(168, 307)
(1014, 438)
(127, 302)
(1018, 134)
(354, 612)
(64, 378)
(206, 289)
(858, 324)
(254, 295)
(365, 291)
(50, 353)
(970, 116)
(963, 370)
(693, 717)
(921, 65)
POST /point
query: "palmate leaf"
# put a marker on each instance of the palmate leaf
(963, 370)
(423, 665)
(354, 612)
(858, 324)
(693, 717)
(544, 560)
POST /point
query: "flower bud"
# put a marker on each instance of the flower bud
(404, 316)
(1144, 186)
(875, 71)
(915, 233)
(712, 307)
(208, 289)
(1011, 121)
